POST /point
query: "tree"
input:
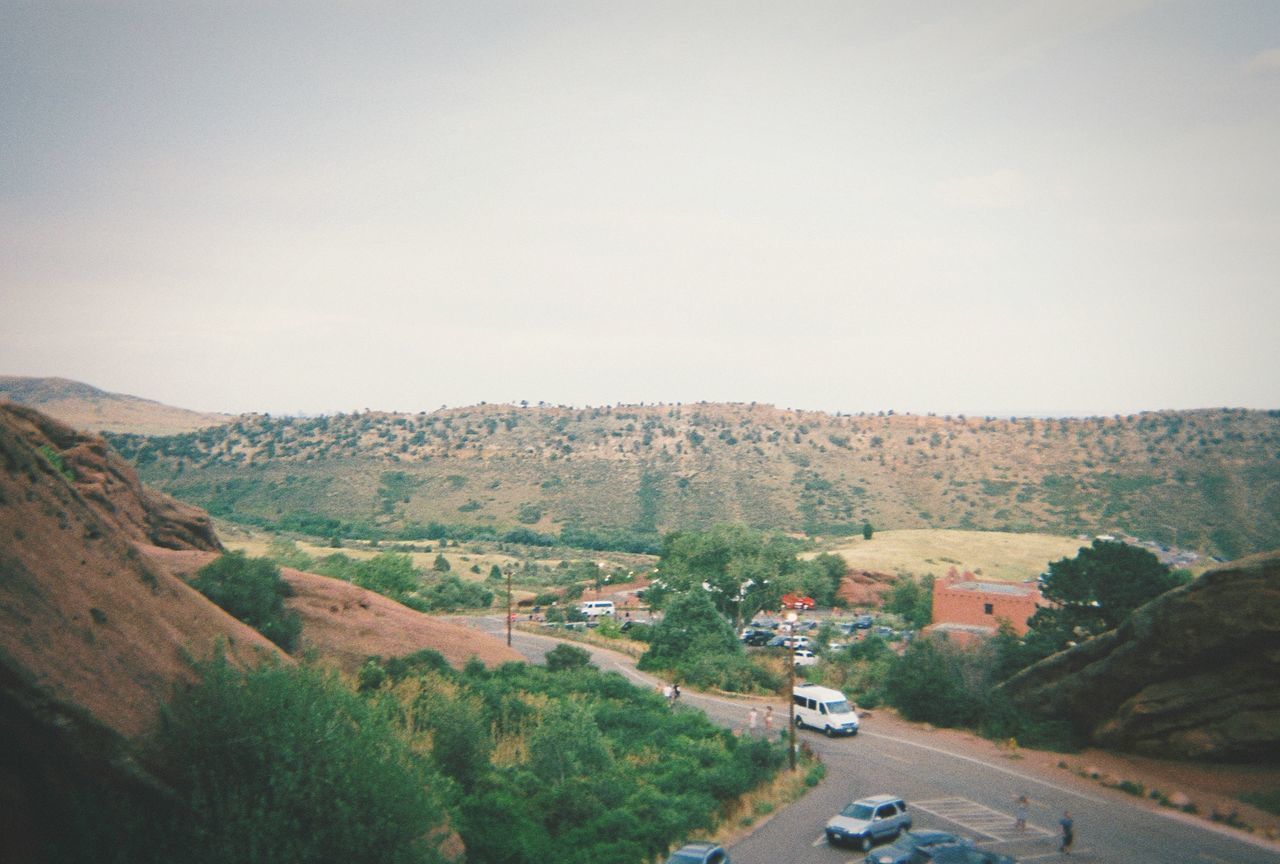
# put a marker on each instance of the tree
(567, 657)
(742, 570)
(912, 599)
(867, 531)
(441, 564)
(388, 573)
(1097, 590)
(691, 627)
(251, 590)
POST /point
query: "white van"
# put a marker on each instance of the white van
(825, 709)
(595, 608)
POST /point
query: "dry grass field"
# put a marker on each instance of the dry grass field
(990, 554)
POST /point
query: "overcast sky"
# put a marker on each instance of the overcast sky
(985, 208)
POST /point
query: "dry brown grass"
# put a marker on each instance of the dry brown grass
(991, 554)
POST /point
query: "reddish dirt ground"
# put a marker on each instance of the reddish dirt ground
(345, 624)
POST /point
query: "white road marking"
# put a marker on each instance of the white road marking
(972, 816)
(821, 841)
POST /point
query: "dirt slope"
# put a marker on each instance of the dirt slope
(347, 624)
(85, 619)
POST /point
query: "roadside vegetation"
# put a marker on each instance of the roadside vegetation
(416, 760)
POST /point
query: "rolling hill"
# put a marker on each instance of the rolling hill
(1204, 479)
(94, 410)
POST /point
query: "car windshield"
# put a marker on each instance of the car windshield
(857, 811)
(841, 707)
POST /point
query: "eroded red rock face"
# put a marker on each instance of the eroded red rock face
(110, 486)
(1193, 674)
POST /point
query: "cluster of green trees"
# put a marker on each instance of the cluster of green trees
(708, 583)
(742, 570)
(522, 763)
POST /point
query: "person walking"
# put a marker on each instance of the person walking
(1068, 832)
(768, 721)
(668, 693)
(1020, 820)
(752, 716)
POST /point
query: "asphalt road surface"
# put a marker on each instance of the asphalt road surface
(949, 791)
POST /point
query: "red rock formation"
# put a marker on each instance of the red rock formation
(1195, 673)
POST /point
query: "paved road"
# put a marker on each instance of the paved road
(952, 792)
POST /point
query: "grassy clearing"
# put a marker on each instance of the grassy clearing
(990, 554)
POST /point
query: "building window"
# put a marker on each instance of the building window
(988, 609)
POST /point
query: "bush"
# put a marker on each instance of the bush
(565, 656)
(287, 764)
(251, 590)
(452, 593)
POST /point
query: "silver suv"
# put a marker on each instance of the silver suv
(867, 820)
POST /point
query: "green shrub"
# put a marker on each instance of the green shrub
(451, 593)
(287, 764)
(565, 656)
(251, 590)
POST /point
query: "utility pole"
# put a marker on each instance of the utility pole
(791, 691)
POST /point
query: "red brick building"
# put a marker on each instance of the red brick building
(978, 607)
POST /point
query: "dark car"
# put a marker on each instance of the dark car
(699, 853)
(899, 852)
(864, 622)
(757, 637)
(778, 642)
(954, 853)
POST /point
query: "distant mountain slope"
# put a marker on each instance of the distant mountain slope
(94, 410)
(1207, 479)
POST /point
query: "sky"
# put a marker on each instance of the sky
(1054, 208)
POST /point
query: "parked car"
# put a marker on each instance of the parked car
(954, 853)
(899, 852)
(699, 853)
(868, 820)
(757, 637)
(863, 622)
(804, 657)
(796, 601)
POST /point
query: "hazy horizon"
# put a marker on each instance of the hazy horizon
(991, 209)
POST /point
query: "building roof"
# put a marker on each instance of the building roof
(993, 588)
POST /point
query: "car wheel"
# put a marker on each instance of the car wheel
(799, 723)
(829, 732)
(864, 843)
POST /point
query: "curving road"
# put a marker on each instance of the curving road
(950, 791)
